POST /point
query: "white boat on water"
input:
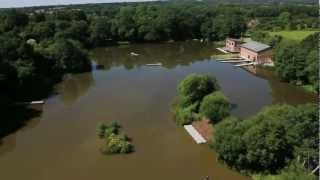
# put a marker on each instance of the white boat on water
(155, 64)
(134, 54)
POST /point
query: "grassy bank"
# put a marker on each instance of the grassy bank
(294, 35)
(309, 88)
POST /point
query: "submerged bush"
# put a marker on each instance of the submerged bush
(101, 128)
(114, 143)
(104, 130)
(118, 144)
(215, 106)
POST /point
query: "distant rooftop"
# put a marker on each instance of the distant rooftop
(255, 46)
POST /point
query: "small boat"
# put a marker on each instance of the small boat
(36, 102)
(134, 54)
(155, 64)
(29, 103)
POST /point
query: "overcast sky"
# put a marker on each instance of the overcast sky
(25, 3)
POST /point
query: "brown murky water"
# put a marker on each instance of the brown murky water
(61, 144)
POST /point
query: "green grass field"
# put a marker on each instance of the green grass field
(294, 35)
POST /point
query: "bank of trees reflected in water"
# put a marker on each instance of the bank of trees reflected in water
(170, 55)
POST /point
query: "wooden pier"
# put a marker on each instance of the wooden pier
(195, 134)
(235, 61)
(244, 64)
(229, 59)
(155, 64)
(222, 50)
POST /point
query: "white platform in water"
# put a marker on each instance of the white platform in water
(37, 102)
(155, 64)
(195, 134)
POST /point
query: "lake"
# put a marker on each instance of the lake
(61, 144)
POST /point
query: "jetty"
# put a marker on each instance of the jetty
(155, 64)
(36, 102)
(229, 59)
(30, 103)
(222, 50)
(244, 64)
(195, 134)
(235, 61)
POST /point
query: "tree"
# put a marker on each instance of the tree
(124, 25)
(215, 106)
(284, 20)
(69, 57)
(228, 142)
(194, 87)
(268, 141)
(290, 63)
(292, 172)
(100, 31)
(14, 19)
(79, 30)
(43, 30)
(313, 69)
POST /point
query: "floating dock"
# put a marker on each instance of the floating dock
(155, 64)
(195, 134)
(229, 59)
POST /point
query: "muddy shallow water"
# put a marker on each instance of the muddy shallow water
(62, 144)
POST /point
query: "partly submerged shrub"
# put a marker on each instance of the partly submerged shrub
(114, 143)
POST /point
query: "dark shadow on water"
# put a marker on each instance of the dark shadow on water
(14, 118)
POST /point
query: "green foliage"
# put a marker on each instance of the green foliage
(68, 56)
(118, 144)
(184, 114)
(266, 142)
(194, 87)
(104, 130)
(265, 37)
(293, 172)
(113, 142)
(228, 143)
(43, 30)
(101, 128)
(298, 63)
(100, 31)
(215, 106)
(191, 91)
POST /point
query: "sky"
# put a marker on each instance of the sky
(27, 3)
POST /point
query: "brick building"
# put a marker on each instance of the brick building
(257, 52)
(233, 45)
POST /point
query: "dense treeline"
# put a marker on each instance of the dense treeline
(295, 62)
(38, 46)
(280, 139)
(269, 141)
(298, 62)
